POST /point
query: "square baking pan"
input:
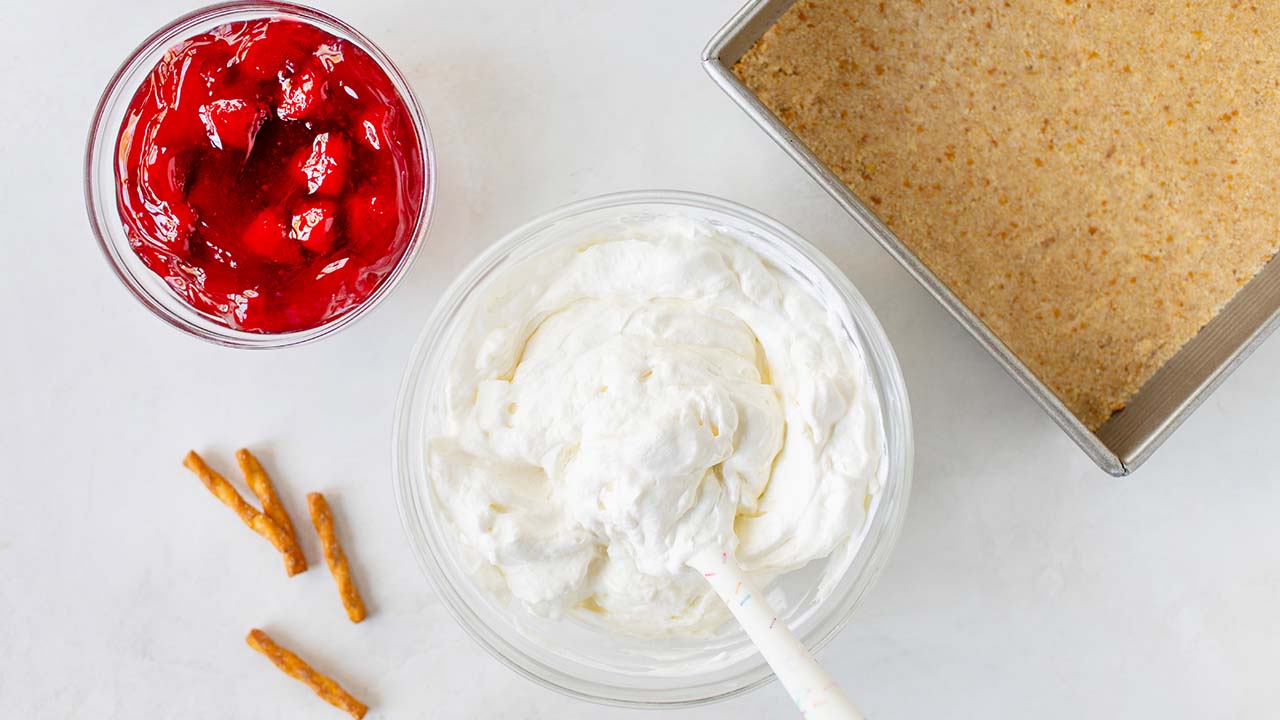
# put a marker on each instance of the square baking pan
(1131, 435)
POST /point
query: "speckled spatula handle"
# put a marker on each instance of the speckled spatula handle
(813, 690)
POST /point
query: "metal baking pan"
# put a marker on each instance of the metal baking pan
(1126, 440)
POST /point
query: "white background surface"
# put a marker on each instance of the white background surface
(1026, 583)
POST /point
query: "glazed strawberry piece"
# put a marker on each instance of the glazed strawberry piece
(371, 220)
(315, 226)
(270, 172)
(233, 124)
(265, 49)
(324, 166)
(330, 55)
(302, 95)
(269, 238)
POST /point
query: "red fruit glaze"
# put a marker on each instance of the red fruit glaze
(270, 173)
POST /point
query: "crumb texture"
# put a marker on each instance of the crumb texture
(1094, 179)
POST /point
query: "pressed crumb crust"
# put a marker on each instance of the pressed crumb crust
(1094, 179)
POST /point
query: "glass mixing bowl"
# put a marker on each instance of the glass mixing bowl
(100, 180)
(588, 662)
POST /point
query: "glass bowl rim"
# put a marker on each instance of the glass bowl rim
(878, 354)
(101, 204)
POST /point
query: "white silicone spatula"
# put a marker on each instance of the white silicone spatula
(813, 690)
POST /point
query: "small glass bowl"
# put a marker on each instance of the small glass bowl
(589, 663)
(100, 181)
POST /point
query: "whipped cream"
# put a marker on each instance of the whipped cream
(617, 403)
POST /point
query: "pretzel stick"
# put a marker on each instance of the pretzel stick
(260, 483)
(259, 523)
(336, 559)
(295, 667)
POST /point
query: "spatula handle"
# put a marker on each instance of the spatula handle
(815, 693)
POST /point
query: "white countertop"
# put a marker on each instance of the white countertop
(1026, 584)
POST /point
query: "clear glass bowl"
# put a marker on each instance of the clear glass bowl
(100, 182)
(587, 662)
